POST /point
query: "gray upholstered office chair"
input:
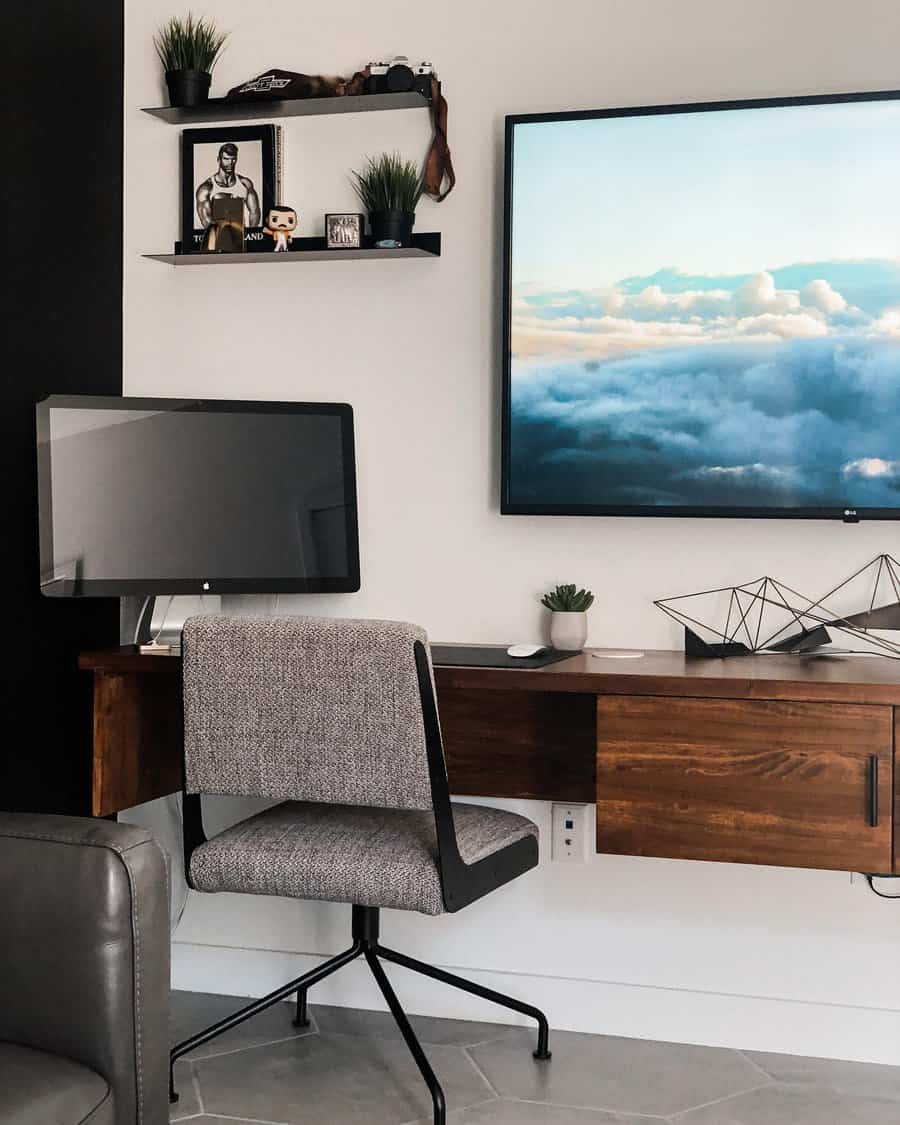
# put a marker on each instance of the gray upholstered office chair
(338, 720)
(84, 973)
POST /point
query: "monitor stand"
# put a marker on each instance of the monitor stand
(138, 627)
(161, 619)
(135, 614)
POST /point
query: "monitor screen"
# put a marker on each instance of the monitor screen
(163, 496)
(702, 310)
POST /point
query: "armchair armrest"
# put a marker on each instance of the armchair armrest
(84, 952)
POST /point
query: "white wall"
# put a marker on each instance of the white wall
(754, 957)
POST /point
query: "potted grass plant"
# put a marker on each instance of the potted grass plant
(389, 188)
(188, 49)
(568, 616)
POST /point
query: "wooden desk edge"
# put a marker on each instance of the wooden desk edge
(128, 658)
(831, 679)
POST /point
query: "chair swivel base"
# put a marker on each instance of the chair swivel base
(366, 944)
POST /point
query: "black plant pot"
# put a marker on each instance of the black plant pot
(392, 228)
(188, 87)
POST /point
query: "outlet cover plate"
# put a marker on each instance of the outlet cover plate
(568, 838)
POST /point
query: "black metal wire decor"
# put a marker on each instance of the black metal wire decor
(767, 615)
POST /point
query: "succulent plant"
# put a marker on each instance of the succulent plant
(568, 599)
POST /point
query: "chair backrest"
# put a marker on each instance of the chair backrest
(304, 708)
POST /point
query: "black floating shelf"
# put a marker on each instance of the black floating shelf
(218, 109)
(426, 245)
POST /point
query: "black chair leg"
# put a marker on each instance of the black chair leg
(300, 984)
(302, 1017)
(415, 1047)
(543, 1043)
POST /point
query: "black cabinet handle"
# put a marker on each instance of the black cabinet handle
(872, 785)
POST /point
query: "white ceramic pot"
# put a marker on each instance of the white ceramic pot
(568, 631)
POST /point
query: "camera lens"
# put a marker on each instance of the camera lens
(400, 79)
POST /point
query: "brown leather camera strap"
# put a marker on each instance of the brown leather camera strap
(438, 162)
(438, 168)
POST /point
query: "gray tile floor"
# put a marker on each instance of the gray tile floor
(352, 1068)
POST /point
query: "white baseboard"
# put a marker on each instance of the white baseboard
(760, 1023)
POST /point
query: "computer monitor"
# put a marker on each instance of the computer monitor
(170, 496)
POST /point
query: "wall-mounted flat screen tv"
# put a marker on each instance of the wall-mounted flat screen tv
(702, 310)
(172, 496)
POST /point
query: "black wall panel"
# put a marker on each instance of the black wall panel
(63, 152)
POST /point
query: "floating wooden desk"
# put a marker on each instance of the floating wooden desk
(760, 759)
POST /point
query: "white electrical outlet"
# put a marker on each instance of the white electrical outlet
(569, 833)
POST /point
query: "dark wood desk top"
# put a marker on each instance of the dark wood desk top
(839, 679)
(843, 679)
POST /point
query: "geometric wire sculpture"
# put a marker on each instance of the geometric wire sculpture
(767, 615)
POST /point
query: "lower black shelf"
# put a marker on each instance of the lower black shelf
(426, 245)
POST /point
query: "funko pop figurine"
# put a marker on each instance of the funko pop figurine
(281, 222)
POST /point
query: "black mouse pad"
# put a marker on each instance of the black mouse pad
(491, 656)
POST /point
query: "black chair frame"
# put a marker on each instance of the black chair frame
(461, 883)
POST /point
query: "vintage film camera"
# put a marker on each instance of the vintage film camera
(399, 77)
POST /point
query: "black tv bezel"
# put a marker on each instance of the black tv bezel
(508, 507)
(205, 584)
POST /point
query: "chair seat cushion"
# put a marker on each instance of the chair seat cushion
(348, 853)
(37, 1088)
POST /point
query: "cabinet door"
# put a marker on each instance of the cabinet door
(746, 781)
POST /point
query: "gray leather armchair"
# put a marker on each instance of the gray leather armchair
(84, 973)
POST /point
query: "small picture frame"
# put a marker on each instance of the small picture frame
(344, 231)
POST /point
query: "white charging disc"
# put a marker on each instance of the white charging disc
(617, 654)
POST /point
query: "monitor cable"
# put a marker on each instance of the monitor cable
(870, 879)
(154, 640)
(138, 625)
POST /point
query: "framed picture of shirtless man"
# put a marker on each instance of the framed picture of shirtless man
(237, 162)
